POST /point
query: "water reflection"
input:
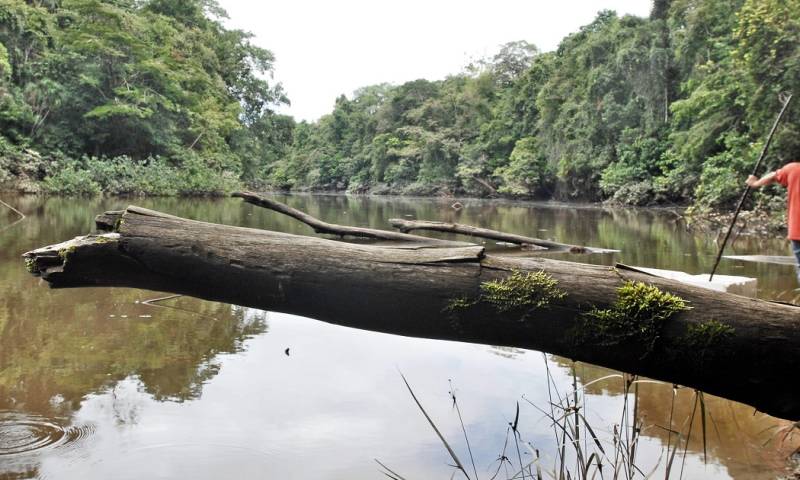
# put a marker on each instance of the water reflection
(58, 346)
(744, 440)
(99, 383)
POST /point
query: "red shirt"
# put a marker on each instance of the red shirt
(789, 177)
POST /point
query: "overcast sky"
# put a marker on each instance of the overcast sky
(328, 48)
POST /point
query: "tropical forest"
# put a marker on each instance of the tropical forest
(159, 98)
(313, 239)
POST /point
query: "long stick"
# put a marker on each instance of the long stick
(20, 214)
(747, 189)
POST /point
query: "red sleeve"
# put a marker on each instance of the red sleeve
(782, 175)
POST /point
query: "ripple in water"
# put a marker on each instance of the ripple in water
(22, 433)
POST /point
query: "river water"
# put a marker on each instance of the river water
(99, 383)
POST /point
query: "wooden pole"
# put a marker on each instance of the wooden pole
(747, 189)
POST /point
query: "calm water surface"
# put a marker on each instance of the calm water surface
(97, 384)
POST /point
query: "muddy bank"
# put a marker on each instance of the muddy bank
(753, 223)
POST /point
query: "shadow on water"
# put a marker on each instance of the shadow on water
(66, 353)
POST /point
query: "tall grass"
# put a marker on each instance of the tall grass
(579, 453)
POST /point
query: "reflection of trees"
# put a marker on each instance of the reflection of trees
(73, 342)
(736, 436)
(506, 352)
(68, 343)
(88, 344)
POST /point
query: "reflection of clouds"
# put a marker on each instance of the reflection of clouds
(124, 401)
(506, 352)
(331, 407)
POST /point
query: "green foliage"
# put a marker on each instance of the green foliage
(135, 81)
(5, 66)
(670, 108)
(72, 182)
(527, 172)
(634, 110)
(636, 318)
(527, 291)
(705, 335)
(153, 176)
(704, 341)
(460, 303)
(520, 292)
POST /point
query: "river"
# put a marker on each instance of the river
(100, 383)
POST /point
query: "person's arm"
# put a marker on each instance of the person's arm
(755, 182)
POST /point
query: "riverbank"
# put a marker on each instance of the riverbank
(765, 221)
(754, 223)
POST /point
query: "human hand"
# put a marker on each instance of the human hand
(751, 181)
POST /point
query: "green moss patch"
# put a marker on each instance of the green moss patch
(529, 291)
(638, 317)
(65, 252)
(705, 337)
(30, 265)
(460, 303)
(519, 291)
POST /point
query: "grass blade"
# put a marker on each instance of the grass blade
(394, 475)
(450, 450)
(463, 428)
(703, 422)
(591, 432)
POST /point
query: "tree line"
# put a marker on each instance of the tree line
(132, 96)
(672, 108)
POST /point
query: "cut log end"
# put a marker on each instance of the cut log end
(51, 262)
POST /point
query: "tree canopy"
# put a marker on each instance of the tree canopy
(129, 84)
(666, 109)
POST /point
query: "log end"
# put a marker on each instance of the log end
(108, 221)
(51, 262)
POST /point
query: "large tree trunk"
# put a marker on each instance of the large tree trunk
(741, 348)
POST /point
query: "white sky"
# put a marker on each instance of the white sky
(328, 48)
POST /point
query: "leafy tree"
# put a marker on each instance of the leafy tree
(156, 78)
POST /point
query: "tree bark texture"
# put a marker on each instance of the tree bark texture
(436, 292)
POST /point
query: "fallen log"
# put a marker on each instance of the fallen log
(322, 227)
(406, 226)
(736, 347)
